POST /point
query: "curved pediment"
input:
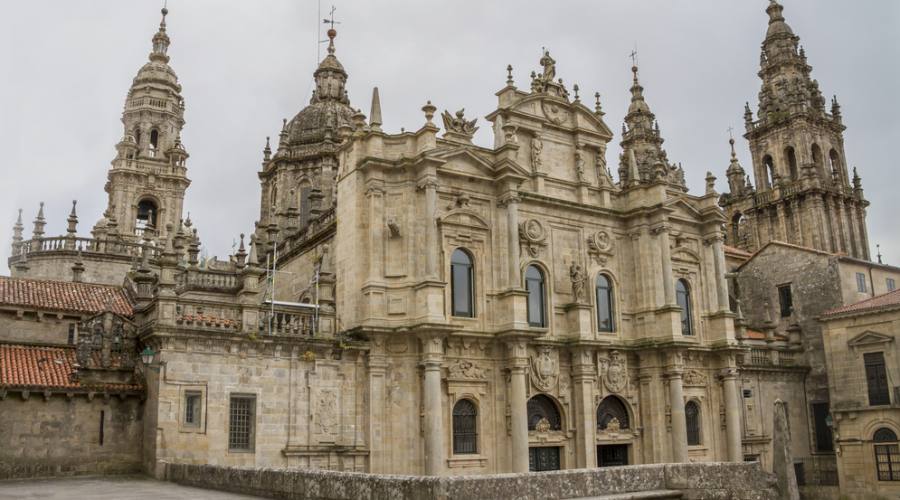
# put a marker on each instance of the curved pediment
(465, 217)
(562, 113)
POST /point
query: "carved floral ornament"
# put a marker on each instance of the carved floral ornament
(465, 369)
(614, 371)
(544, 369)
(694, 378)
(533, 235)
(600, 246)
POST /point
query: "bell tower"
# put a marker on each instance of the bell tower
(803, 193)
(148, 178)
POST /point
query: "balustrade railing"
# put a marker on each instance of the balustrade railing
(86, 245)
(195, 279)
(284, 322)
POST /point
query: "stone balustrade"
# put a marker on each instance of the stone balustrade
(288, 321)
(108, 246)
(207, 280)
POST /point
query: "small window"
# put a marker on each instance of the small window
(683, 297)
(876, 379)
(786, 300)
(241, 423)
(887, 455)
(73, 334)
(146, 214)
(861, 283)
(102, 426)
(748, 393)
(465, 427)
(461, 284)
(891, 284)
(692, 420)
(824, 440)
(605, 321)
(192, 408)
(534, 285)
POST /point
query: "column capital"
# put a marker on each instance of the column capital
(729, 373)
(427, 183)
(509, 198)
(661, 228)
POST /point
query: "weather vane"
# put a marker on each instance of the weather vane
(330, 19)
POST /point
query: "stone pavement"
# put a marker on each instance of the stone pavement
(107, 488)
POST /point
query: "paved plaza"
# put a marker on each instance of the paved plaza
(108, 488)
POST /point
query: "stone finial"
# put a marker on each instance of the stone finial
(78, 269)
(710, 183)
(72, 221)
(509, 77)
(375, 114)
(598, 110)
(359, 120)
(240, 256)
(267, 151)
(39, 223)
(194, 249)
(18, 228)
(253, 258)
(429, 110)
(575, 89)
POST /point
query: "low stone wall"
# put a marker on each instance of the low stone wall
(731, 481)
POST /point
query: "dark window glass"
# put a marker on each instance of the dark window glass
(683, 297)
(72, 333)
(692, 419)
(465, 427)
(786, 300)
(611, 408)
(192, 409)
(461, 286)
(861, 282)
(605, 322)
(534, 285)
(154, 139)
(146, 213)
(543, 458)
(824, 441)
(542, 408)
(876, 379)
(241, 423)
(891, 284)
(887, 455)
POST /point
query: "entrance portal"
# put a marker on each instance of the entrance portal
(543, 458)
(612, 455)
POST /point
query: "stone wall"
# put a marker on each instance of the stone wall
(60, 436)
(738, 481)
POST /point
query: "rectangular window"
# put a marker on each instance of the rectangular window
(876, 379)
(241, 423)
(192, 408)
(73, 334)
(785, 299)
(824, 441)
(102, 421)
(861, 283)
(891, 284)
(887, 461)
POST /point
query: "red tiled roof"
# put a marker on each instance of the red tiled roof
(885, 300)
(64, 296)
(44, 367)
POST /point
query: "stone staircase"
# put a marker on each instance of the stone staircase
(638, 495)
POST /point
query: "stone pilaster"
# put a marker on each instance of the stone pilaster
(518, 362)
(377, 365)
(512, 222)
(583, 379)
(375, 197)
(430, 187)
(433, 398)
(676, 403)
(732, 414)
(662, 235)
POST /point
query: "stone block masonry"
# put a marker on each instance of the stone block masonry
(734, 481)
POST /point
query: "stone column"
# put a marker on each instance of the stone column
(518, 403)
(782, 223)
(583, 376)
(719, 264)
(430, 186)
(512, 222)
(378, 396)
(435, 452)
(676, 403)
(732, 414)
(666, 255)
(375, 196)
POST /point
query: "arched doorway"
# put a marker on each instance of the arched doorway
(613, 425)
(543, 418)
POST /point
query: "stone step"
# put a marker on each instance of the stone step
(638, 495)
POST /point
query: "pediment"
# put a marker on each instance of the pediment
(681, 208)
(465, 162)
(685, 254)
(563, 113)
(465, 217)
(869, 338)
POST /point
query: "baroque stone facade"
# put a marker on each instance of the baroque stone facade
(415, 303)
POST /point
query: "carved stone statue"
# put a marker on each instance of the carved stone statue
(579, 280)
(458, 123)
(549, 65)
(537, 147)
(579, 164)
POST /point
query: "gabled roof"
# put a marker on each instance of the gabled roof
(65, 296)
(886, 301)
(785, 245)
(39, 367)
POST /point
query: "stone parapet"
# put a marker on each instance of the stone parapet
(737, 481)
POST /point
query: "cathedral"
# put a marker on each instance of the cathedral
(414, 303)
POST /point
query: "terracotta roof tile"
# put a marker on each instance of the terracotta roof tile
(44, 367)
(64, 296)
(885, 300)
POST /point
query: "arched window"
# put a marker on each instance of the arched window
(612, 410)
(683, 298)
(605, 321)
(887, 455)
(543, 414)
(465, 427)
(836, 170)
(817, 160)
(534, 285)
(791, 158)
(462, 289)
(154, 139)
(146, 214)
(769, 174)
(273, 196)
(692, 420)
(736, 235)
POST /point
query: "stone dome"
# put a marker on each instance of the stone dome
(318, 120)
(157, 72)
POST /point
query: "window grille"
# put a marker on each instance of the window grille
(612, 407)
(876, 379)
(465, 427)
(240, 423)
(887, 455)
(692, 419)
(192, 409)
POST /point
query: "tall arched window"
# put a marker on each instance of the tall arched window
(817, 160)
(146, 215)
(769, 174)
(692, 420)
(534, 285)
(612, 408)
(605, 321)
(462, 289)
(154, 141)
(791, 158)
(542, 412)
(836, 170)
(465, 427)
(683, 297)
(887, 455)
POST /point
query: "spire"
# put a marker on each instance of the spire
(72, 221)
(18, 228)
(39, 223)
(375, 115)
(330, 75)
(161, 40)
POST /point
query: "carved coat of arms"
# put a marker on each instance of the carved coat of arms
(616, 376)
(533, 235)
(544, 369)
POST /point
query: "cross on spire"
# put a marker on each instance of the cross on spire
(330, 20)
(633, 56)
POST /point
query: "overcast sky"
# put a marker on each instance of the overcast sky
(245, 65)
